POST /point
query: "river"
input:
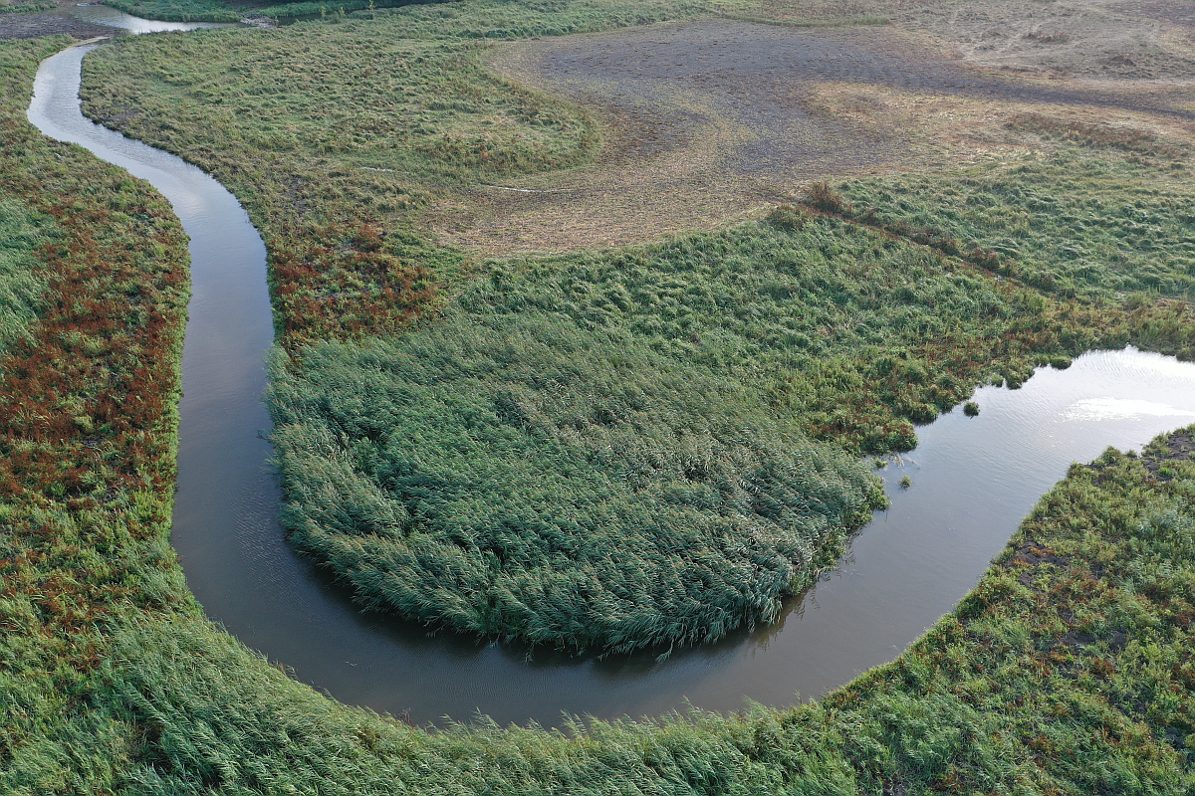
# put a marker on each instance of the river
(972, 481)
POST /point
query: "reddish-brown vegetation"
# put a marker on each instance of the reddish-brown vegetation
(87, 405)
(338, 281)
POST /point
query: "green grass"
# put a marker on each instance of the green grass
(485, 18)
(337, 160)
(21, 286)
(585, 491)
(19, 7)
(575, 451)
(183, 10)
(218, 11)
(1076, 227)
(419, 118)
(88, 411)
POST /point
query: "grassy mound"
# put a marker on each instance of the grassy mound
(614, 451)
(532, 481)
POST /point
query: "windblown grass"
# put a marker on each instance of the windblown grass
(1086, 226)
(586, 491)
(611, 451)
(573, 453)
(334, 167)
(21, 286)
(480, 18)
(88, 400)
(219, 11)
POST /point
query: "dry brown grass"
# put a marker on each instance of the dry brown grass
(949, 129)
(705, 123)
(1143, 39)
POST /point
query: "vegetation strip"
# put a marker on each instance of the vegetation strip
(21, 284)
(88, 400)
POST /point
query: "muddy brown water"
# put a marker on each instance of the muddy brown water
(973, 480)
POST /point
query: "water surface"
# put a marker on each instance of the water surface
(111, 18)
(973, 480)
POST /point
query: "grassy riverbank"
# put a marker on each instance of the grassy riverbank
(1068, 669)
(574, 452)
(219, 11)
(498, 429)
(22, 231)
(574, 16)
(95, 268)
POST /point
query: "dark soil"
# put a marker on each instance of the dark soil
(48, 23)
(1178, 446)
(755, 75)
(709, 119)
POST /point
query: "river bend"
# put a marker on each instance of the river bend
(972, 481)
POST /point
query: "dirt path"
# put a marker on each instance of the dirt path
(711, 119)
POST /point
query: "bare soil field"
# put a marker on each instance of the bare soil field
(1127, 38)
(20, 25)
(710, 120)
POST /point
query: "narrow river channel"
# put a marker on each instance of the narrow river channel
(972, 481)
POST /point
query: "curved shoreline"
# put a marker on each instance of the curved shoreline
(245, 574)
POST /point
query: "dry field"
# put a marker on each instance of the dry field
(1124, 38)
(709, 121)
(17, 25)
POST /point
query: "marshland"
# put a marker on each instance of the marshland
(579, 325)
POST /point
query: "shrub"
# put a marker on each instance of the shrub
(822, 197)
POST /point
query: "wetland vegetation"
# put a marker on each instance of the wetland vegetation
(21, 284)
(597, 449)
(520, 461)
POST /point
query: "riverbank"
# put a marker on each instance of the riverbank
(1092, 599)
(226, 530)
(88, 419)
(832, 331)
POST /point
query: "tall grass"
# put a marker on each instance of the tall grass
(420, 117)
(21, 286)
(88, 400)
(529, 480)
(1086, 226)
(608, 451)
(1068, 669)
(564, 425)
(220, 11)
(25, 6)
(478, 18)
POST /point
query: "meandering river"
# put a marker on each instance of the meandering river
(972, 481)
